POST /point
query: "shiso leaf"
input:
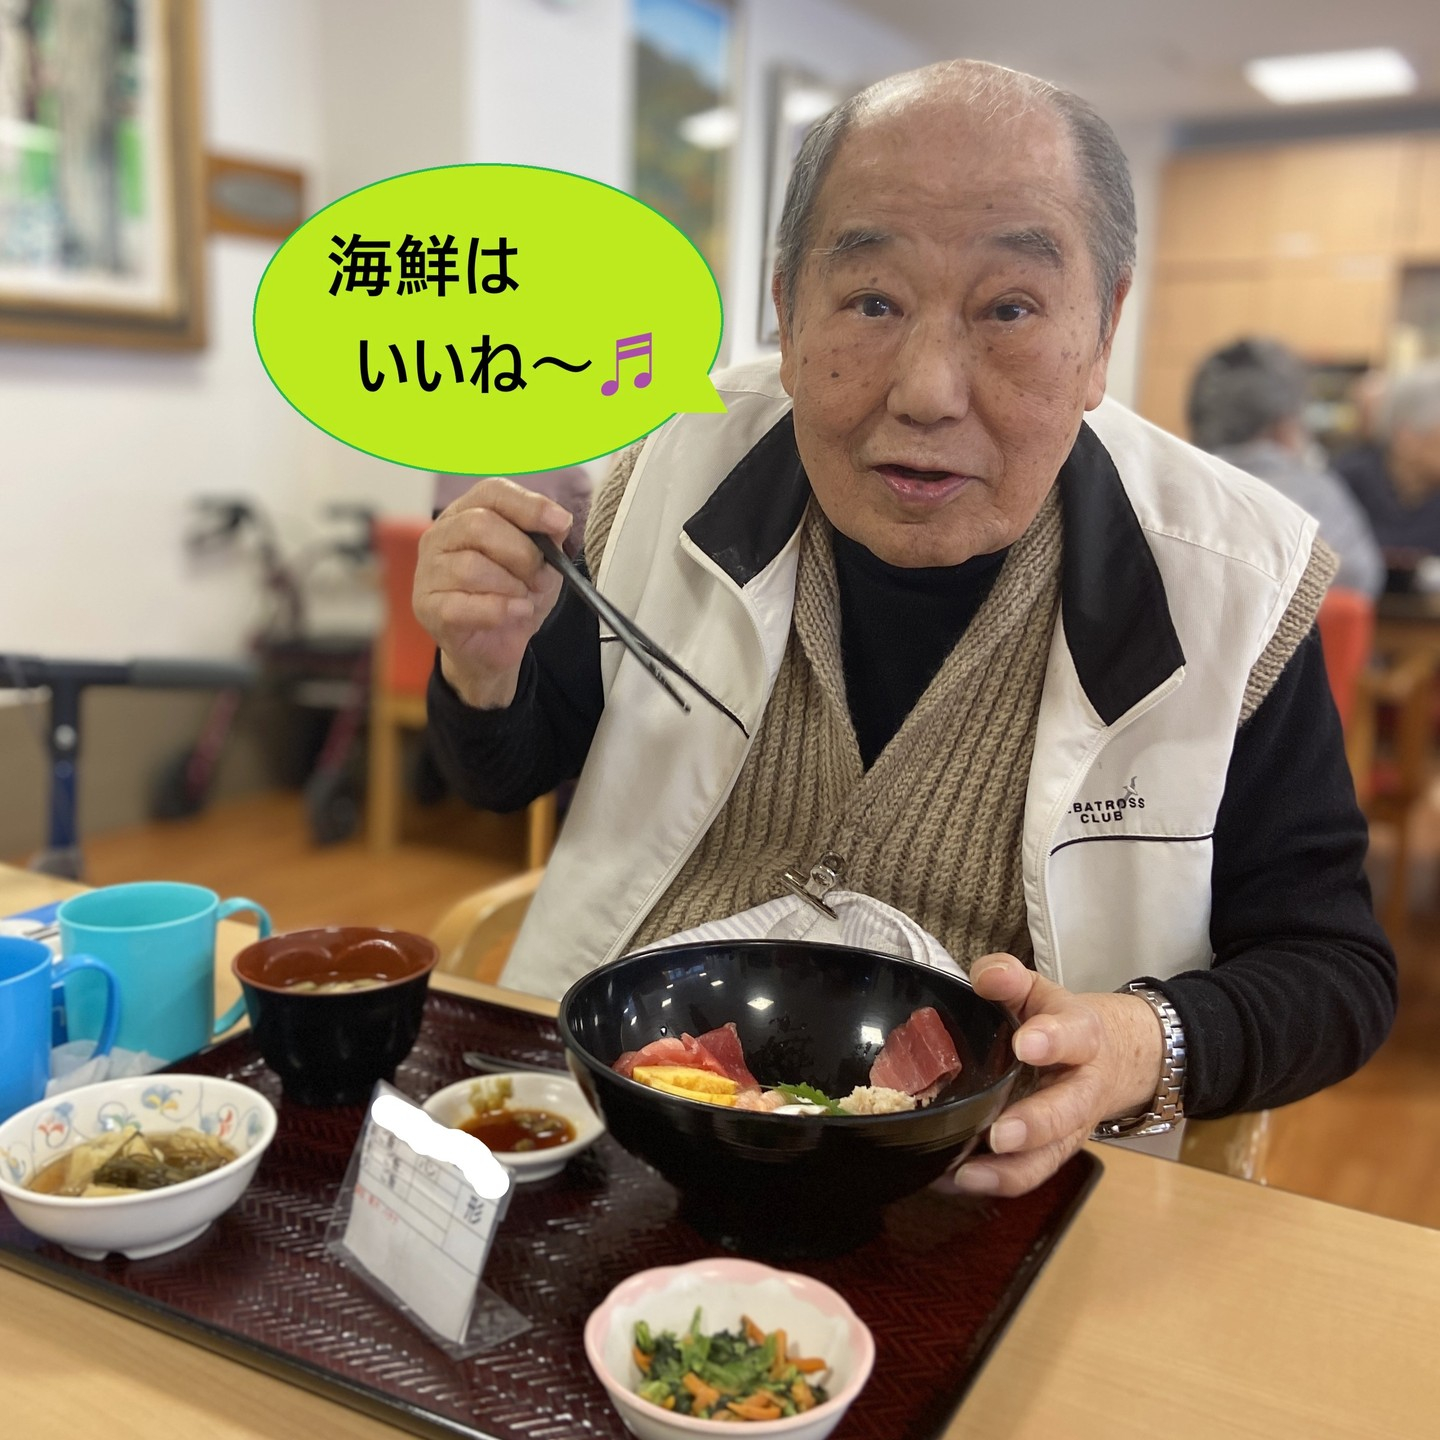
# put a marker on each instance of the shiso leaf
(809, 1095)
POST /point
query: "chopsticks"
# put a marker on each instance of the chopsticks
(644, 649)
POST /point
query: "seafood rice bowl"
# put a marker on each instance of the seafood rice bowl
(813, 1020)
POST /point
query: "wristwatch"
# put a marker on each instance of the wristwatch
(1167, 1109)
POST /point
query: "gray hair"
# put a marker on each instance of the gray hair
(1239, 392)
(1108, 198)
(1411, 401)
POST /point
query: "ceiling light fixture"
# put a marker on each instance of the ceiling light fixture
(1337, 75)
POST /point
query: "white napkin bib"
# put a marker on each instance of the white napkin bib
(860, 920)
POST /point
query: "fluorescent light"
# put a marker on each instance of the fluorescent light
(1337, 75)
(711, 129)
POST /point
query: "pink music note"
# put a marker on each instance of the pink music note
(633, 347)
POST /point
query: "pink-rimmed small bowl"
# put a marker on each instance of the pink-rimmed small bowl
(815, 1318)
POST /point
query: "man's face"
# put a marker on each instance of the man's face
(942, 354)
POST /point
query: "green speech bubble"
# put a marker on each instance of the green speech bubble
(489, 320)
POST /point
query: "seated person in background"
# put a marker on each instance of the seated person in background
(1396, 478)
(964, 633)
(1246, 405)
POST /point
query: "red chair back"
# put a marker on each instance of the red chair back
(1347, 629)
(405, 651)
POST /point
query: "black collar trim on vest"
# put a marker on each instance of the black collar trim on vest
(1116, 617)
(756, 508)
(1113, 605)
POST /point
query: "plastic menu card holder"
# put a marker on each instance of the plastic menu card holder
(416, 1218)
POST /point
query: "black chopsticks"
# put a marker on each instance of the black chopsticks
(644, 649)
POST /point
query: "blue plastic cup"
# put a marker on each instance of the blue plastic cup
(31, 985)
(158, 937)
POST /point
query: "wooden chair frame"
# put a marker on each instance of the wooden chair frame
(474, 935)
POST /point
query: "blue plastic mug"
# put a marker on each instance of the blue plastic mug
(159, 938)
(31, 984)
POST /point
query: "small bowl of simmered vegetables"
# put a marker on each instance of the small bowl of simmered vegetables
(687, 1350)
(138, 1166)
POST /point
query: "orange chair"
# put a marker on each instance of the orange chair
(1347, 632)
(404, 654)
(1386, 705)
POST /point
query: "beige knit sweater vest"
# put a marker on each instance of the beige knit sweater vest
(934, 826)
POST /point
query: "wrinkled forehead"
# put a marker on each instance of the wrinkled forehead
(954, 169)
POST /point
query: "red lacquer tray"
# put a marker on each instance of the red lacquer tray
(936, 1287)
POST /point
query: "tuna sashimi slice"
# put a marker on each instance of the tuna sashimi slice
(680, 1050)
(724, 1046)
(918, 1056)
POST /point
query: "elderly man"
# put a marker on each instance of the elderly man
(1246, 405)
(1050, 688)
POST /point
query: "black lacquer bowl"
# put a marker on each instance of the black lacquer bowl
(329, 1046)
(783, 1184)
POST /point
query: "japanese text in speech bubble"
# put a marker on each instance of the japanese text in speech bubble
(489, 320)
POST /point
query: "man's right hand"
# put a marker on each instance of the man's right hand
(482, 588)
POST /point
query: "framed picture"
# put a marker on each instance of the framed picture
(100, 173)
(245, 197)
(686, 122)
(797, 100)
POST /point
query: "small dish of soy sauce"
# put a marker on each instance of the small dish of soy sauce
(533, 1124)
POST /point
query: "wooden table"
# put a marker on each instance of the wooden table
(1180, 1304)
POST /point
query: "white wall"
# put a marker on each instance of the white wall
(101, 449)
(836, 45)
(1146, 148)
(394, 96)
(549, 84)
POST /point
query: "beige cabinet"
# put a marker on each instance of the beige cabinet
(1302, 242)
(1340, 198)
(1215, 206)
(1164, 390)
(1334, 309)
(1196, 308)
(1420, 200)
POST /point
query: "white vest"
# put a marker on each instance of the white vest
(1178, 569)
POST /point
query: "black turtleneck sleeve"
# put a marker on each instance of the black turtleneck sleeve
(1303, 986)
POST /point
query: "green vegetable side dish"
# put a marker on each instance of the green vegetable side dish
(732, 1375)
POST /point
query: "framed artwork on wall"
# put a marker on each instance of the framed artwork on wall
(797, 100)
(101, 173)
(686, 121)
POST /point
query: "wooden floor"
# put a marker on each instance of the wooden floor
(261, 848)
(1372, 1143)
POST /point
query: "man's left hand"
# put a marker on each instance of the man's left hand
(1099, 1056)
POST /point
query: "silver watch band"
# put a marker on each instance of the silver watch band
(1167, 1109)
